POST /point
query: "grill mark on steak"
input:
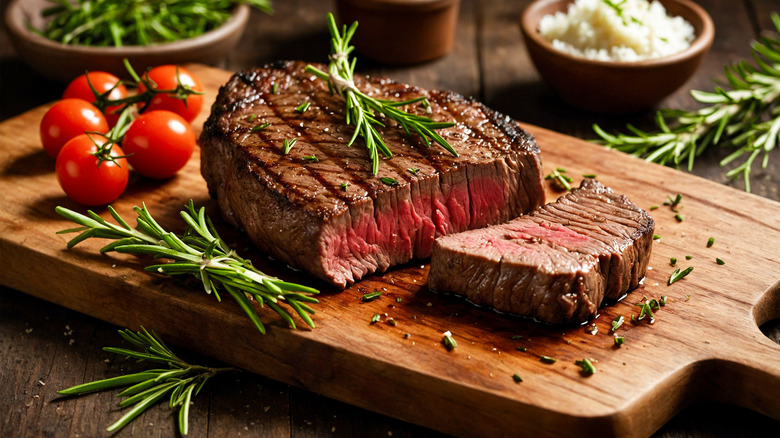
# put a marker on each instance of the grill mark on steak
(297, 211)
(557, 264)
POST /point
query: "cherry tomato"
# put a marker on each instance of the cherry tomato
(160, 143)
(164, 77)
(102, 81)
(67, 119)
(80, 176)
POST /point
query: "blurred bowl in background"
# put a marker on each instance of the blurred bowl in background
(612, 86)
(63, 62)
(401, 32)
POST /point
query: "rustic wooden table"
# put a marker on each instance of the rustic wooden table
(43, 345)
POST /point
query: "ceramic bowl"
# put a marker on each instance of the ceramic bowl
(64, 62)
(399, 32)
(615, 87)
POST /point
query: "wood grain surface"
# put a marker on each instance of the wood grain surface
(45, 347)
(708, 329)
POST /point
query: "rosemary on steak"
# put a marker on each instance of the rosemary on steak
(181, 379)
(745, 117)
(120, 23)
(362, 109)
(200, 252)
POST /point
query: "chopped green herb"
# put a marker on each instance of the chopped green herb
(654, 207)
(371, 296)
(710, 242)
(617, 322)
(302, 107)
(688, 257)
(620, 340)
(656, 237)
(673, 261)
(392, 322)
(676, 200)
(678, 275)
(449, 341)
(517, 378)
(679, 217)
(413, 170)
(261, 127)
(522, 349)
(398, 300)
(587, 366)
(389, 181)
(687, 297)
(344, 187)
(288, 144)
(720, 261)
(516, 337)
(252, 117)
(561, 179)
(633, 319)
(274, 88)
(311, 158)
(589, 175)
(654, 304)
(375, 318)
(645, 310)
(547, 359)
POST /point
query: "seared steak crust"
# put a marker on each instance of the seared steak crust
(332, 217)
(557, 264)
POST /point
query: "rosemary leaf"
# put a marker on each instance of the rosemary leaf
(678, 275)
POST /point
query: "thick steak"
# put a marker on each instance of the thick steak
(556, 264)
(332, 217)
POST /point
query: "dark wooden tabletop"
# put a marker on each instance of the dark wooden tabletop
(42, 346)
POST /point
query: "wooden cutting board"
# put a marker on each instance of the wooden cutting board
(704, 344)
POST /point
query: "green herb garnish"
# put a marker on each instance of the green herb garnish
(673, 261)
(449, 341)
(688, 257)
(645, 310)
(679, 217)
(720, 261)
(362, 108)
(344, 187)
(311, 158)
(617, 322)
(678, 275)
(375, 318)
(710, 242)
(547, 359)
(261, 127)
(371, 296)
(199, 252)
(389, 181)
(620, 340)
(302, 107)
(656, 237)
(517, 378)
(288, 144)
(522, 349)
(181, 380)
(413, 170)
(135, 23)
(587, 366)
(662, 301)
(559, 177)
(589, 175)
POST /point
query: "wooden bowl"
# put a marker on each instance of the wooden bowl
(401, 31)
(63, 62)
(611, 86)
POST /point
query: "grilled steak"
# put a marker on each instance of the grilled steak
(556, 264)
(332, 217)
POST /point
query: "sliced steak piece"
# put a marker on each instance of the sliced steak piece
(332, 217)
(557, 264)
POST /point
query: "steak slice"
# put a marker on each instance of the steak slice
(557, 264)
(332, 217)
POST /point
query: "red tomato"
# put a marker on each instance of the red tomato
(160, 143)
(80, 176)
(102, 81)
(67, 119)
(164, 77)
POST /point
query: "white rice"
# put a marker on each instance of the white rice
(593, 29)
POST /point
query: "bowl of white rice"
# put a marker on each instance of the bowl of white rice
(616, 56)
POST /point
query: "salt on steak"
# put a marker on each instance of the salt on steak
(332, 217)
(557, 264)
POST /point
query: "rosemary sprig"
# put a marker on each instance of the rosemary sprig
(200, 252)
(137, 22)
(181, 380)
(362, 108)
(746, 117)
